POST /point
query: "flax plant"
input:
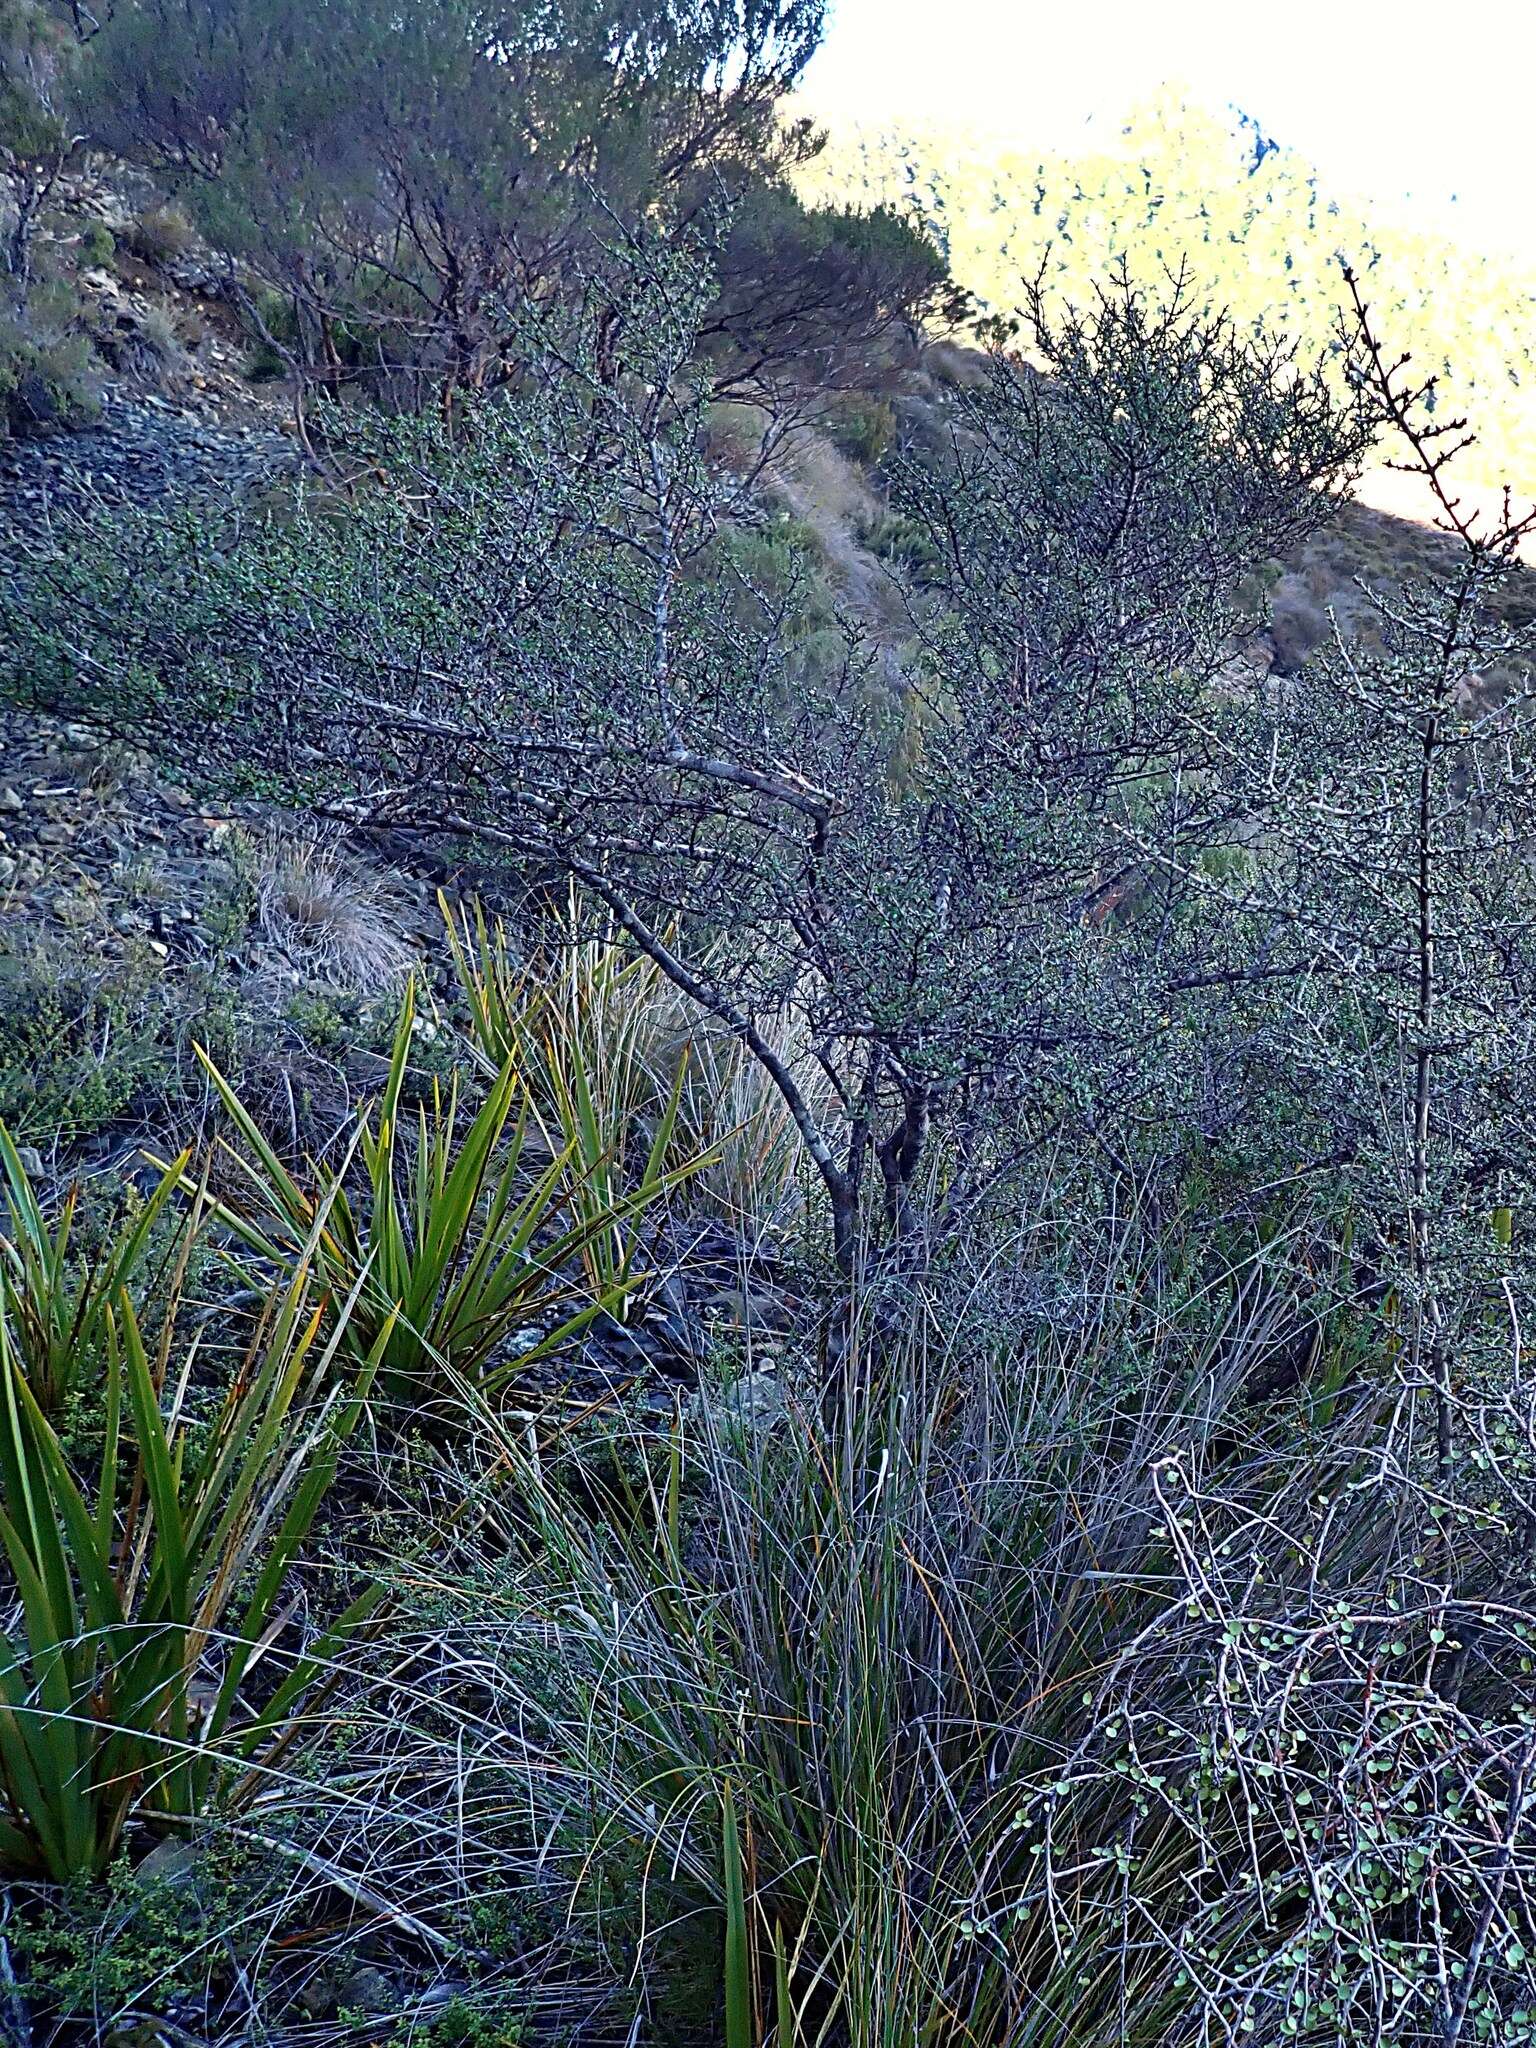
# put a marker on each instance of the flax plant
(145, 1597)
(58, 1305)
(459, 1245)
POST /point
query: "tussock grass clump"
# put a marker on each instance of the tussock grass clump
(607, 1043)
(1032, 1685)
(336, 919)
(457, 1254)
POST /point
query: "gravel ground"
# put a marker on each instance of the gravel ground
(141, 451)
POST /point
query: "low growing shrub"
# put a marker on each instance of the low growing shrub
(79, 1041)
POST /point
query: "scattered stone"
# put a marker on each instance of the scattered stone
(141, 451)
(619, 1344)
(666, 1333)
(367, 1990)
(172, 1862)
(755, 1401)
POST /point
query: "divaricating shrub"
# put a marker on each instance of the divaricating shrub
(444, 168)
(1076, 1586)
(920, 869)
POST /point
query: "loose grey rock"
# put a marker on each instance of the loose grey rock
(172, 1862)
(755, 1401)
(140, 452)
(367, 1990)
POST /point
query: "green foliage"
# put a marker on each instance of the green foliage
(97, 245)
(44, 364)
(33, 47)
(905, 871)
(146, 1594)
(61, 1309)
(863, 427)
(739, 2031)
(454, 1271)
(1031, 1624)
(1182, 186)
(159, 235)
(578, 1031)
(611, 1053)
(1124, 1632)
(904, 543)
(78, 1044)
(463, 2023)
(71, 1969)
(333, 1025)
(402, 180)
(48, 374)
(147, 1934)
(836, 289)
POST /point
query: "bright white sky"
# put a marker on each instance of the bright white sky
(1428, 111)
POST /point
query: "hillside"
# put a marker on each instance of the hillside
(767, 1072)
(1177, 184)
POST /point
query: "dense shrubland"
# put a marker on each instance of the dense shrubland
(379, 203)
(570, 656)
(1072, 1583)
